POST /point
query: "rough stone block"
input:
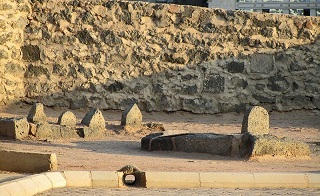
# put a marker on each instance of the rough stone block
(278, 83)
(14, 188)
(281, 180)
(260, 145)
(132, 116)
(67, 119)
(172, 180)
(88, 132)
(256, 121)
(44, 131)
(213, 83)
(235, 67)
(104, 179)
(78, 178)
(262, 63)
(94, 119)
(14, 128)
(32, 129)
(68, 132)
(227, 180)
(27, 162)
(57, 179)
(30, 53)
(36, 114)
(30, 187)
(42, 181)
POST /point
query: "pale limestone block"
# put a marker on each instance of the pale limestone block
(105, 179)
(78, 178)
(29, 185)
(3, 191)
(226, 180)
(14, 188)
(172, 180)
(42, 181)
(57, 179)
(313, 180)
(281, 180)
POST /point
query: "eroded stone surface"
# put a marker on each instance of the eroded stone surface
(15, 128)
(132, 116)
(256, 121)
(36, 114)
(67, 119)
(94, 119)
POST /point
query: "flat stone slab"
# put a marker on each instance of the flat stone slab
(215, 144)
(237, 145)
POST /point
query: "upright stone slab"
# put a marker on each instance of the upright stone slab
(256, 121)
(15, 128)
(67, 119)
(36, 114)
(94, 119)
(132, 116)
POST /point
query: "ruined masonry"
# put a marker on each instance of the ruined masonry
(164, 57)
(253, 141)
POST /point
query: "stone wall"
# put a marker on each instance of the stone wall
(13, 19)
(166, 57)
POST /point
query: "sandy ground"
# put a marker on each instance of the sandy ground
(115, 150)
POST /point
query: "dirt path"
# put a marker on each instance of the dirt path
(116, 150)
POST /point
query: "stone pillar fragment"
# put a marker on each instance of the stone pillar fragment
(132, 116)
(36, 114)
(256, 121)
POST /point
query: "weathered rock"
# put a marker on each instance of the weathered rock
(44, 131)
(36, 114)
(15, 128)
(132, 116)
(63, 132)
(261, 145)
(32, 129)
(256, 121)
(67, 119)
(89, 132)
(94, 119)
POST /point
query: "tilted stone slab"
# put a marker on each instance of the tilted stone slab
(260, 145)
(256, 121)
(15, 128)
(36, 114)
(132, 116)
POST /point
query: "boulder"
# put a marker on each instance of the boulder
(94, 119)
(261, 145)
(15, 128)
(36, 114)
(67, 119)
(132, 116)
(256, 121)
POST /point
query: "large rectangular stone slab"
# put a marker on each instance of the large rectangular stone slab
(172, 180)
(27, 162)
